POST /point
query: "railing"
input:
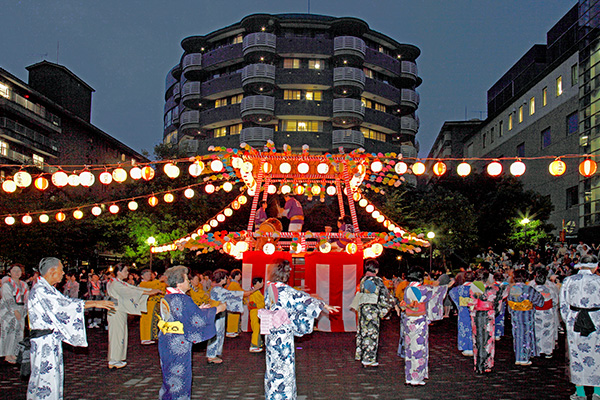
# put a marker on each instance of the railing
(410, 96)
(189, 117)
(23, 159)
(33, 107)
(177, 91)
(345, 75)
(259, 41)
(409, 68)
(409, 124)
(192, 60)
(349, 44)
(253, 103)
(191, 88)
(347, 137)
(258, 73)
(255, 135)
(408, 151)
(29, 133)
(348, 106)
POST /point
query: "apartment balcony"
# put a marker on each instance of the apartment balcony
(409, 125)
(381, 121)
(192, 94)
(258, 78)
(259, 46)
(306, 79)
(258, 109)
(347, 138)
(215, 117)
(223, 86)
(176, 115)
(20, 158)
(408, 151)
(192, 66)
(408, 70)
(348, 81)
(381, 92)
(189, 121)
(409, 100)
(347, 112)
(378, 61)
(303, 108)
(313, 47)
(349, 48)
(222, 57)
(177, 92)
(256, 136)
(28, 137)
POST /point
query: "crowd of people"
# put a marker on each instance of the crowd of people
(542, 291)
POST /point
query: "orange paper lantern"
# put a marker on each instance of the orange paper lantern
(439, 168)
(588, 168)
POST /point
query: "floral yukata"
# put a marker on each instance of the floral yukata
(483, 310)
(50, 310)
(234, 301)
(175, 346)
(460, 295)
(13, 298)
(579, 294)
(370, 313)
(546, 318)
(423, 305)
(501, 312)
(302, 309)
(522, 300)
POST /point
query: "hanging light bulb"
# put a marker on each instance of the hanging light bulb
(44, 218)
(463, 169)
(189, 193)
(41, 183)
(86, 178)
(113, 209)
(60, 179)
(22, 179)
(106, 178)
(135, 173)
(96, 210)
(132, 205)
(196, 168)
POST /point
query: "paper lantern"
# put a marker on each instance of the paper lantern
(227, 247)
(376, 166)
(44, 218)
(119, 175)
(206, 228)
(303, 168)
(9, 220)
(285, 168)
(228, 186)
(517, 168)
(22, 179)
(322, 168)
(228, 212)
(269, 248)
(418, 168)
(106, 178)
(96, 210)
(171, 170)
(189, 193)
(375, 214)
(60, 179)
(463, 169)
(147, 173)
(370, 208)
(267, 168)
(213, 223)
(351, 248)
(299, 190)
(27, 219)
(86, 178)
(331, 190)
(251, 191)
(132, 205)
(77, 214)
(325, 247)
(285, 189)
(439, 168)
(380, 218)
(236, 162)
(557, 167)
(494, 168)
(363, 202)
(271, 189)
(243, 199)
(195, 169)
(41, 183)
(368, 253)
(235, 205)
(221, 217)
(135, 173)
(587, 168)
(113, 209)
(210, 188)
(153, 201)
(401, 167)
(217, 165)
(169, 198)
(315, 190)
(60, 216)
(73, 180)
(9, 186)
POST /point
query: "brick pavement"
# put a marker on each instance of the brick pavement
(325, 370)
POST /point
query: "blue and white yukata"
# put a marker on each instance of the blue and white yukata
(546, 318)
(522, 300)
(51, 310)
(302, 309)
(175, 349)
(234, 300)
(460, 295)
(500, 316)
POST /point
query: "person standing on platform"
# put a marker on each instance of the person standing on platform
(233, 318)
(12, 313)
(128, 299)
(293, 211)
(53, 319)
(149, 319)
(256, 301)
(580, 309)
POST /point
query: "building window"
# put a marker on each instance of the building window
(483, 140)
(220, 132)
(368, 73)
(38, 160)
(544, 97)
(235, 129)
(237, 99)
(500, 129)
(314, 95)
(372, 104)
(521, 150)
(510, 121)
(572, 196)
(532, 106)
(380, 107)
(292, 94)
(574, 75)
(546, 138)
(315, 64)
(572, 123)
(3, 148)
(171, 137)
(291, 63)
(238, 39)
(302, 126)
(4, 91)
(492, 135)
(559, 88)
(220, 102)
(520, 114)
(371, 134)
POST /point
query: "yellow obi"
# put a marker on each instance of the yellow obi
(464, 301)
(524, 305)
(170, 327)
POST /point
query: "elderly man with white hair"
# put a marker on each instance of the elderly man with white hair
(53, 319)
(580, 309)
(12, 313)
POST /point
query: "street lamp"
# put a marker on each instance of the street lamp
(430, 236)
(151, 241)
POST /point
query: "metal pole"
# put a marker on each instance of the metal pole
(430, 257)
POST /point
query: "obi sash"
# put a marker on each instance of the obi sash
(547, 305)
(170, 327)
(464, 301)
(481, 305)
(416, 309)
(583, 323)
(524, 305)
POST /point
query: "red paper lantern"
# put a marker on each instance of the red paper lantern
(439, 168)
(588, 167)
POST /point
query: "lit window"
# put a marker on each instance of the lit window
(3, 148)
(379, 107)
(315, 95)
(292, 94)
(368, 73)
(238, 39)
(532, 106)
(544, 97)
(220, 132)
(237, 99)
(220, 102)
(4, 90)
(235, 129)
(546, 138)
(559, 87)
(574, 75)
(510, 121)
(366, 102)
(371, 134)
(500, 128)
(38, 160)
(520, 114)
(291, 63)
(315, 64)
(302, 126)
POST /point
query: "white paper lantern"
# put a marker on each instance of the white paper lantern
(86, 178)
(22, 179)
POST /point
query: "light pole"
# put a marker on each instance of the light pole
(430, 236)
(151, 241)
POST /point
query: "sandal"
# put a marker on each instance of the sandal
(214, 360)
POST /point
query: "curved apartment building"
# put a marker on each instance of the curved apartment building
(295, 79)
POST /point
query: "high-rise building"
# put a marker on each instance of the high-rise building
(294, 79)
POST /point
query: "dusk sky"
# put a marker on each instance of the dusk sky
(124, 49)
